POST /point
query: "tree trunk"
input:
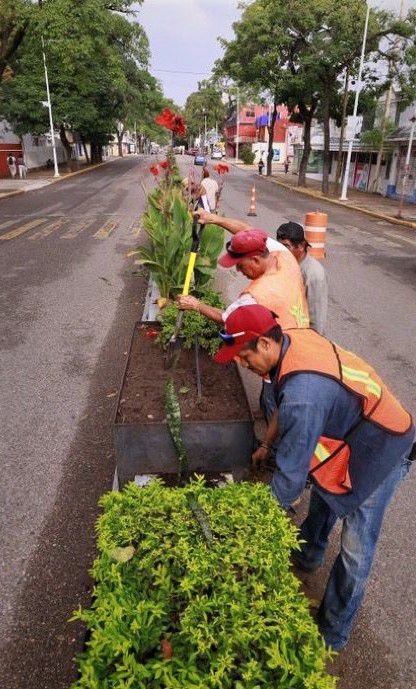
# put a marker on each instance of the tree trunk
(271, 132)
(96, 152)
(66, 145)
(120, 143)
(307, 125)
(338, 173)
(327, 152)
(85, 150)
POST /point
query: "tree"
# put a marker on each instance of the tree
(89, 69)
(14, 20)
(204, 103)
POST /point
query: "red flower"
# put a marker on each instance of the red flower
(165, 165)
(221, 168)
(172, 121)
(154, 170)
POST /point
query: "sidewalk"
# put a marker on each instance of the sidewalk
(371, 204)
(40, 178)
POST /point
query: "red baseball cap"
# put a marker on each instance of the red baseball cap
(243, 325)
(242, 244)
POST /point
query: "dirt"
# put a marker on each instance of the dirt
(142, 397)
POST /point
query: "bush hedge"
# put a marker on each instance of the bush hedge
(171, 611)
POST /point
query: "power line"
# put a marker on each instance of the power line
(178, 71)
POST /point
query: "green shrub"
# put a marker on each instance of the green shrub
(229, 612)
(193, 324)
(247, 156)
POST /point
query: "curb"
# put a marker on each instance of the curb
(58, 179)
(335, 202)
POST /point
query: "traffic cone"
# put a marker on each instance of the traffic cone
(252, 210)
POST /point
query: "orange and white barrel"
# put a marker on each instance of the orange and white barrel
(315, 233)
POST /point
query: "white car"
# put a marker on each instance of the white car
(216, 154)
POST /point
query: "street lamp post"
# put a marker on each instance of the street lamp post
(49, 105)
(343, 196)
(406, 166)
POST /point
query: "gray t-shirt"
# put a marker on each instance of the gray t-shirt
(316, 288)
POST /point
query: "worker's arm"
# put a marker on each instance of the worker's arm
(230, 224)
(193, 304)
(263, 451)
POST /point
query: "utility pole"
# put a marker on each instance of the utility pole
(343, 196)
(49, 105)
(237, 142)
(406, 166)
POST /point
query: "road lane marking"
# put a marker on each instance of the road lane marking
(404, 239)
(106, 230)
(46, 231)
(75, 231)
(22, 229)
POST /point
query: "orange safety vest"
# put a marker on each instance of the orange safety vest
(282, 291)
(309, 352)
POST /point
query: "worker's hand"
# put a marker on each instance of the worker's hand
(205, 217)
(188, 303)
(260, 456)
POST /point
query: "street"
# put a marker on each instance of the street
(68, 305)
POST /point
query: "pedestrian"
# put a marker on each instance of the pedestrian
(286, 166)
(261, 165)
(210, 188)
(291, 234)
(21, 166)
(11, 164)
(341, 425)
(275, 282)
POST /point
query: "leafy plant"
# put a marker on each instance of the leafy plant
(230, 611)
(247, 156)
(168, 225)
(193, 324)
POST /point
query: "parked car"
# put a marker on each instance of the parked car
(192, 151)
(200, 159)
(216, 154)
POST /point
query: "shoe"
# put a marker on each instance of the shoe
(302, 565)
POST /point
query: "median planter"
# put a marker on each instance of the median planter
(217, 428)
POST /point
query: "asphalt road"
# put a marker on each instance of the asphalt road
(68, 304)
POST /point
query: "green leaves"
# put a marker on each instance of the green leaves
(230, 610)
(168, 225)
(193, 324)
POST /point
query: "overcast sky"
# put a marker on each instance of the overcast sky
(183, 38)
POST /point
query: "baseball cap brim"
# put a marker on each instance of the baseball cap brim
(228, 351)
(227, 261)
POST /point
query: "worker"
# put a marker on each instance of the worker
(275, 282)
(291, 234)
(339, 423)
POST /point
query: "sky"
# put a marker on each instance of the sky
(183, 38)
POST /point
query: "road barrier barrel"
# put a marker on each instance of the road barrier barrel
(316, 224)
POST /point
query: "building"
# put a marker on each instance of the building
(36, 150)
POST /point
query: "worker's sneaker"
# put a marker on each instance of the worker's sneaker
(299, 562)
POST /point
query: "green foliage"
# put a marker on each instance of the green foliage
(208, 100)
(231, 609)
(173, 418)
(168, 225)
(193, 323)
(247, 155)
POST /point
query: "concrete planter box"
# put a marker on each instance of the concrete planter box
(212, 446)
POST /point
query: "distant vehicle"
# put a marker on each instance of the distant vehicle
(200, 159)
(216, 154)
(154, 148)
(192, 151)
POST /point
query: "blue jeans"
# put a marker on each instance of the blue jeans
(347, 580)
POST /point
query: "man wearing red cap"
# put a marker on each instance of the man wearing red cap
(339, 424)
(275, 282)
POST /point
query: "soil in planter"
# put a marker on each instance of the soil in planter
(143, 395)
